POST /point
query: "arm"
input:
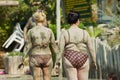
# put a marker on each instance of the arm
(28, 45)
(26, 50)
(90, 47)
(26, 29)
(61, 45)
(24, 33)
(52, 43)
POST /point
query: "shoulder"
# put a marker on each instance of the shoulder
(63, 31)
(34, 29)
(86, 36)
(30, 19)
(49, 30)
(85, 32)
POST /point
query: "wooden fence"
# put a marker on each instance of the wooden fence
(107, 60)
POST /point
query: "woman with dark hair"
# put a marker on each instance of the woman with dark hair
(30, 24)
(37, 47)
(74, 44)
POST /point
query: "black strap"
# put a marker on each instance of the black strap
(68, 36)
(83, 36)
(68, 39)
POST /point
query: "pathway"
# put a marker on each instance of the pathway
(26, 77)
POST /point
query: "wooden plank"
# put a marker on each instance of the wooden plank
(82, 6)
(9, 3)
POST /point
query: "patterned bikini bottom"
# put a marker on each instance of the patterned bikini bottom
(77, 59)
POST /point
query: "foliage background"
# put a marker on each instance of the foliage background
(10, 15)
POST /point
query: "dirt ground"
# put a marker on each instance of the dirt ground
(28, 77)
(22, 77)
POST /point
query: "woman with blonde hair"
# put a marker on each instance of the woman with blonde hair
(37, 47)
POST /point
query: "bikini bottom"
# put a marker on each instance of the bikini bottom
(40, 60)
(77, 59)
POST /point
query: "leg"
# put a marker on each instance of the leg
(71, 72)
(47, 70)
(83, 71)
(35, 73)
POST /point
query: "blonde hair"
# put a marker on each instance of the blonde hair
(39, 17)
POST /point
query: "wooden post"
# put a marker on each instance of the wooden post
(9, 3)
(58, 32)
(58, 18)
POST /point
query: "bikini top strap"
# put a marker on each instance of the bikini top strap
(83, 36)
(67, 41)
(68, 36)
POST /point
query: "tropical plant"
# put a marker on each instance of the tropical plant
(96, 32)
(93, 1)
(115, 21)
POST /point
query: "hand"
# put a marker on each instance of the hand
(94, 65)
(55, 70)
(57, 65)
(20, 65)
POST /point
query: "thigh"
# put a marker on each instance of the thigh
(36, 71)
(48, 68)
(83, 71)
(71, 72)
(34, 61)
(47, 72)
(50, 63)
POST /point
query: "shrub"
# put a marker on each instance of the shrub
(14, 53)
